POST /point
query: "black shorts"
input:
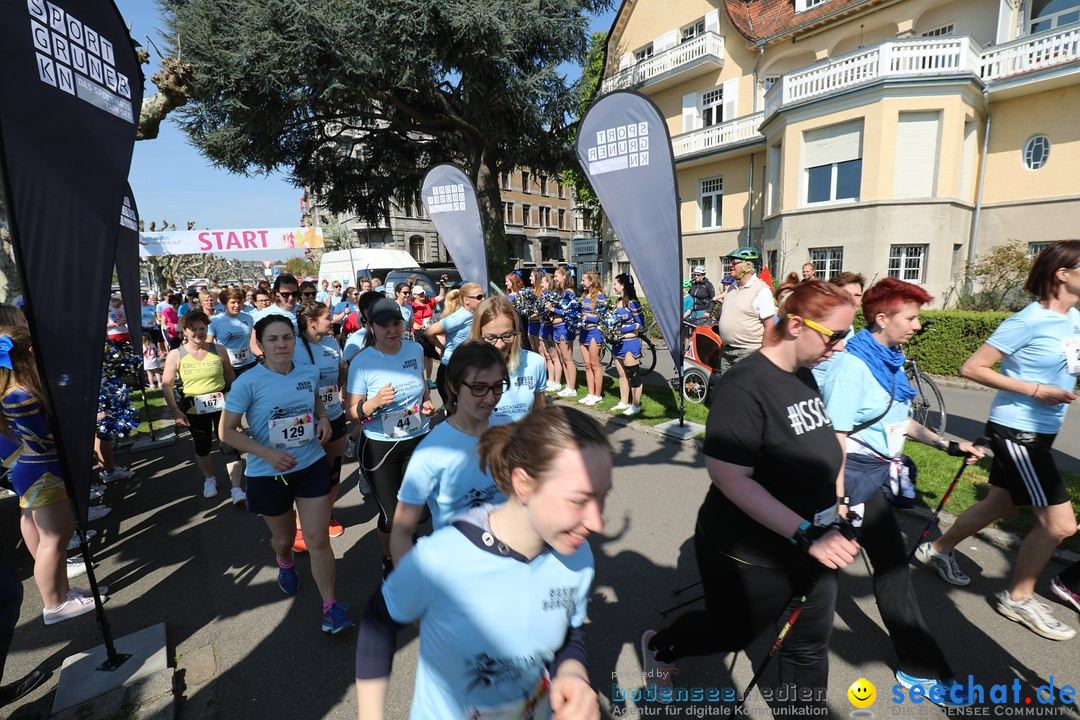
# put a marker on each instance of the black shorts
(174, 342)
(430, 351)
(1024, 466)
(241, 370)
(338, 428)
(274, 495)
(154, 333)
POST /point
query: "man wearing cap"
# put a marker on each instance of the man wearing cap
(701, 290)
(747, 307)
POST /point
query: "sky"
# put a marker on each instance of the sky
(173, 182)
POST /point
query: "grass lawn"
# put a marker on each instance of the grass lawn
(157, 406)
(659, 403)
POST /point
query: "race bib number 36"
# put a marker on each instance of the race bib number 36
(292, 432)
(329, 396)
(209, 403)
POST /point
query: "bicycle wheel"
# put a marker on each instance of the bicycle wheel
(927, 407)
(648, 356)
(695, 386)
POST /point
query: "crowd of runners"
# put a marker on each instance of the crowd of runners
(289, 380)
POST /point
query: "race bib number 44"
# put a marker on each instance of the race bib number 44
(209, 403)
(403, 424)
(292, 432)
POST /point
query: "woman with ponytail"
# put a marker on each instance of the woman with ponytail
(627, 351)
(498, 568)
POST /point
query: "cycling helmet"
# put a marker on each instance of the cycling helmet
(686, 284)
(748, 254)
(698, 270)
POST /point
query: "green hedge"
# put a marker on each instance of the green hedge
(951, 340)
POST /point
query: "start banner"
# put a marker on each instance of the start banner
(200, 242)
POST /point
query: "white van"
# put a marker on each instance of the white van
(349, 266)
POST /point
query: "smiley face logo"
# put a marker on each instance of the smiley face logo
(862, 693)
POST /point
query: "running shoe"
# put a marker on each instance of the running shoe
(657, 674)
(209, 488)
(387, 566)
(619, 406)
(946, 565)
(363, 485)
(238, 496)
(119, 472)
(85, 592)
(70, 608)
(96, 512)
(335, 619)
(1035, 615)
(288, 580)
(567, 392)
(96, 491)
(553, 387)
(632, 410)
(1062, 591)
(23, 687)
(336, 528)
(75, 568)
(298, 544)
(73, 543)
(957, 698)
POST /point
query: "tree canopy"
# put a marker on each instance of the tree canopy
(358, 99)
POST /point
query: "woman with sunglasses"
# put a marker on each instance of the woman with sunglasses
(402, 294)
(766, 530)
(456, 328)
(868, 398)
(387, 393)
(496, 323)
(444, 471)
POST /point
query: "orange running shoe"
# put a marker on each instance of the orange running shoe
(336, 528)
(298, 542)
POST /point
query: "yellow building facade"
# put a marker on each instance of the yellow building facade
(885, 137)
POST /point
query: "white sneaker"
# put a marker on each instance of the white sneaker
(619, 406)
(72, 607)
(75, 568)
(946, 565)
(238, 496)
(567, 392)
(103, 590)
(632, 410)
(596, 400)
(209, 488)
(73, 543)
(96, 512)
(553, 387)
(119, 472)
(587, 400)
(1034, 615)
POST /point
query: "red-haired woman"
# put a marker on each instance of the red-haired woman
(868, 397)
(1039, 352)
(767, 529)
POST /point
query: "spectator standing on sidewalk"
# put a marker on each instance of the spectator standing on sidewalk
(748, 307)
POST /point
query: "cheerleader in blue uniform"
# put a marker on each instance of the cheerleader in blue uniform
(564, 341)
(627, 351)
(592, 299)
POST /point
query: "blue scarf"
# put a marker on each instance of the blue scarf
(885, 363)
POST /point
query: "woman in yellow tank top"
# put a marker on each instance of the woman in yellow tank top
(207, 374)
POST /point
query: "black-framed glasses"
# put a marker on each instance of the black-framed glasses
(506, 337)
(481, 296)
(480, 390)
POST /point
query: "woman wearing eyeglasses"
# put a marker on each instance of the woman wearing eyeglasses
(868, 398)
(496, 323)
(444, 471)
(455, 327)
(387, 393)
(766, 529)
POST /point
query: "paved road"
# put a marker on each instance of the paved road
(245, 650)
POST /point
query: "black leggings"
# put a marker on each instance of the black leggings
(384, 461)
(203, 430)
(742, 601)
(915, 647)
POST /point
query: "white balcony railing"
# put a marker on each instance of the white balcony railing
(920, 57)
(1034, 52)
(703, 46)
(717, 136)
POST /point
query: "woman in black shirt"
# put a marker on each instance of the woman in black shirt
(764, 532)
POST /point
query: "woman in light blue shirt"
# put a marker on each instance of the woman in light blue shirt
(496, 323)
(286, 464)
(455, 327)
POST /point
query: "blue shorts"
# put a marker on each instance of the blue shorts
(559, 333)
(273, 495)
(627, 345)
(546, 331)
(534, 327)
(590, 335)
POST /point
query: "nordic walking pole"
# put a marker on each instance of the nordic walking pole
(800, 602)
(980, 442)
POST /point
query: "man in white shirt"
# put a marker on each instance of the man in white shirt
(748, 307)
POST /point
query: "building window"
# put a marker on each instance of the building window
(1036, 152)
(827, 261)
(508, 213)
(1036, 247)
(545, 216)
(623, 268)
(586, 220)
(838, 181)
(505, 181)
(416, 248)
(543, 185)
(1049, 14)
(940, 31)
(693, 30)
(691, 263)
(562, 219)
(832, 162)
(712, 107)
(525, 181)
(559, 188)
(906, 262)
(804, 5)
(526, 215)
(711, 197)
(551, 250)
(771, 80)
(644, 53)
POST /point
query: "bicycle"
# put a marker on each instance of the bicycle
(607, 359)
(928, 406)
